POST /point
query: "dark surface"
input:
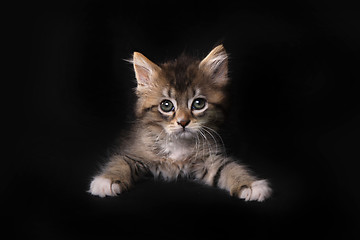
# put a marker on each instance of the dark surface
(294, 117)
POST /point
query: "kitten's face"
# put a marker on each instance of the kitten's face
(184, 114)
(183, 98)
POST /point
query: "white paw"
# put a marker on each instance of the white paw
(102, 187)
(258, 191)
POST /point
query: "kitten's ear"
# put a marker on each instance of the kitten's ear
(216, 65)
(144, 69)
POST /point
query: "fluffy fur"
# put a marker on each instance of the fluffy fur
(180, 106)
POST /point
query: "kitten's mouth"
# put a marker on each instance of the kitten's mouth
(184, 133)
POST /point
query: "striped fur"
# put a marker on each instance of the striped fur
(181, 141)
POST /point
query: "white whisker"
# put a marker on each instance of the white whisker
(207, 143)
(216, 146)
(197, 142)
(218, 135)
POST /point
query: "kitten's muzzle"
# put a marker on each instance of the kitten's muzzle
(183, 123)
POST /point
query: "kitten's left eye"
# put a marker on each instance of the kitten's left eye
(198, 104)
(167, 106)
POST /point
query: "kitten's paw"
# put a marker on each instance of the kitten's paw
(102, 187)
(258, 191)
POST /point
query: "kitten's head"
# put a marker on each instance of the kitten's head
(183, 96)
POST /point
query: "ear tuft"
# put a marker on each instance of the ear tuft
(216, 65)
(144, 69)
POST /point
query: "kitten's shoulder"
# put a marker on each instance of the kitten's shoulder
(133, 139)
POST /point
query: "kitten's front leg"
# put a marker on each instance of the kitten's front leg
(233, 177)
(117, 176)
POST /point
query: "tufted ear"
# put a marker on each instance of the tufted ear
(216, 65)
(144, 70)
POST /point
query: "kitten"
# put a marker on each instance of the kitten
(179, 108)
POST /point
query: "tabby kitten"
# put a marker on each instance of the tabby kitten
(179, 108)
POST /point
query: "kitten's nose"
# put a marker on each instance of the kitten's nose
(184, 123)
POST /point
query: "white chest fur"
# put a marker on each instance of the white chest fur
(178, 149)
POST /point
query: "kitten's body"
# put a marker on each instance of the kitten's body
(180, 106)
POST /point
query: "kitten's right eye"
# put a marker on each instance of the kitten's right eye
(166, 106)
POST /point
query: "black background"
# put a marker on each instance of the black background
(294, 116)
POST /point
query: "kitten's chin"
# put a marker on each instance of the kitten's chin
(187, 134)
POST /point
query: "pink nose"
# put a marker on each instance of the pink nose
(183, 123)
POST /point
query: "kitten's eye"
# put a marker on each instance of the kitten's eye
(167, 106)
(198, 104)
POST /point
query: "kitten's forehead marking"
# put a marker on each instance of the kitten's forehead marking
(169, 92)
(166, 92)
(197, 92)
(192, 93)
(172, 92)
